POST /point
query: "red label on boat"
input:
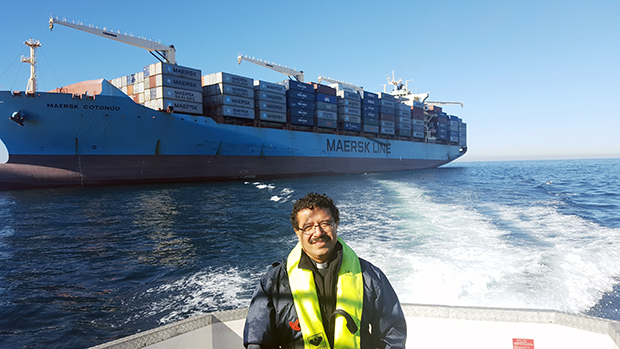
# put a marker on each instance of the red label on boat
(521, 343)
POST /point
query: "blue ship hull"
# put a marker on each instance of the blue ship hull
(69, 140)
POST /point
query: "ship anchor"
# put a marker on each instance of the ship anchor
(18, 117)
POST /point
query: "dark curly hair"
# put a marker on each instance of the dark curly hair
(311, 201)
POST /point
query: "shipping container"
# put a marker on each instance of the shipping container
(304, 95)
(326, 115)
(302, 120)
(227, 78)
(387, 117)
(349, 103)
(386, 110)
(369, 121)
(372, 108)
(341, 87)
(352, 126)
(389, 124)
(368, 95)
(299, 86)
(300, 103)
(270, 106)
(172, 70)
(415, 134)
(371, 128)
(178, 106)
(228, 100)
(326, 123)
(175, 82)
(269, 87)
(269, 96)
(370, 101)
(173, 93)
(326, 106)
(308, 113)
(387, 130)
(405, 133)
(272, 116)
(386, 96)
(237, 112)
(349, 111)
(228, 89)
(370, 114)
(404, 120)
(350, 118)
(351, 95)
(384, 103)
(403, 126)
(324, 89)
(321, 97)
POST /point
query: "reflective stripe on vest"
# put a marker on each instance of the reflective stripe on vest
(349, 298)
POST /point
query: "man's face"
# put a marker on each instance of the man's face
(318, 242)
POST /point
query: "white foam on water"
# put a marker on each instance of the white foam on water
(281, 195)
(200, 293)
(525, 257)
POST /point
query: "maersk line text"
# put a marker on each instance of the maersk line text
(358, 147)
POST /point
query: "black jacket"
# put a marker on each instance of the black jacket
(271, 321)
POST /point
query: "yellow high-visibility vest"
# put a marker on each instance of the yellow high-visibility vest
(349, 300)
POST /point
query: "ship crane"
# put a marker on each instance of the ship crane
(165, 52)
(346, 84)
(298, 75)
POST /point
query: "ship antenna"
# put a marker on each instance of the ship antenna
(32, 60)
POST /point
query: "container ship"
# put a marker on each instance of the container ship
(170, 123)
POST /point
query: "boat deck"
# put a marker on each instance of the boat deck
(428, 326)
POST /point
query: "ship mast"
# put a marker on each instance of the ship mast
(32, 60)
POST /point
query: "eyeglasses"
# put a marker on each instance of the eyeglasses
(325, 226)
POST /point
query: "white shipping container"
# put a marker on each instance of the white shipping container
(222, 77)
(403, 126)
(175, 93)
(179, 71)
(177, 82)
(229, 100)
(124, 81)
(269, 87)
(269, 96)
(418, 122)
(227, 89)
(179, 106)
(138, 87)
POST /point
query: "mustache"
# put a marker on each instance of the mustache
(323, 237)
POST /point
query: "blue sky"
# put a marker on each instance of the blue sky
(538, 79)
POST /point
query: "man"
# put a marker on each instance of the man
(324, 296)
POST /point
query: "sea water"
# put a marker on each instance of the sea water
(82, 266)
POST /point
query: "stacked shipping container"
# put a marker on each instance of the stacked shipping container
(300, 102)
(228, 95)
(163, 86)
(387, 113)
(270, 101)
